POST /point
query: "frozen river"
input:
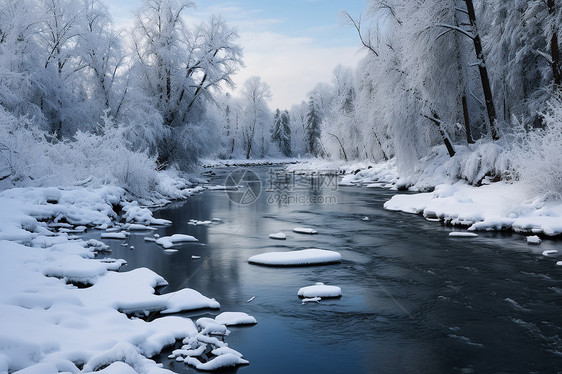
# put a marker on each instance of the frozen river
(414, 299)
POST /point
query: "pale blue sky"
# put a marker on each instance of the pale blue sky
(291, 44)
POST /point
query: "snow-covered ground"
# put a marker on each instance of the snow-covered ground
(50, 325)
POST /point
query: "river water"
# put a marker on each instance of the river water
(414, 299)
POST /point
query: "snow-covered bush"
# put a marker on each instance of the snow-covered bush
(28, 158)
(539, 158)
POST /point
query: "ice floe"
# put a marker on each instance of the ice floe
(533, 239)
(235, 318)
(463, 234)
(320, 290)
(278, 236)
(114, 235)
(307, 300)
(170, 241)
(549, 252)
(305, 230)
(311, 256)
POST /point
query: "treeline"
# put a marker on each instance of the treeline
(480, 80)
(65, 70)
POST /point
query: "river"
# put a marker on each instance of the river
(414, 299)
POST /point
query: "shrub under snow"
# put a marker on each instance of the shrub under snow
(539, 159)
(28, 158)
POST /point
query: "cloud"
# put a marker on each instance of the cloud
(291, 66)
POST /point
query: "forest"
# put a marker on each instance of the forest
(469, 89)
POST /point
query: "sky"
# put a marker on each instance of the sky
(291, 44)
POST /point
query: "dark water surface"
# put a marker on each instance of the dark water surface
(414, 299)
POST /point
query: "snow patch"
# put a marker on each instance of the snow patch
(170, 241)
(278, 236)
(312, 256)
(320, 290)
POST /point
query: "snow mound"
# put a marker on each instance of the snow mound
(320, 290)
(187, 299)
(312, 256)
(305, 230)
(235, 318)
(169, 241)
(278, 236)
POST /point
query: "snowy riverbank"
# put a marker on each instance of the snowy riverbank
(63, 310)
(490, 206)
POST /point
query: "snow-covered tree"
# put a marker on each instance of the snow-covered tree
(257, 117)
(281, 134)
(313, 122)
(179, 67)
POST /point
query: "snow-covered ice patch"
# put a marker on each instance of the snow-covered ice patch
(305, 230)
(307, 300)
(138, 227)
(114, 235)
(533, 239)
(196, 222)
(169, 241)
(278, 236)
(312, 256)
(463, 234)
(549, 252)
(320, 290)
(235, 318)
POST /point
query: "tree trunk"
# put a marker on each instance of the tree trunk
(554, 51)
(341, 146)
(483, 72)
(435, 119)
(469, 139)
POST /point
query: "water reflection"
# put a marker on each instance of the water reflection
(414, 299)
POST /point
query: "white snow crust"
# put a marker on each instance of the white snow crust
(319, 290)
(49, 325)
(311, 256)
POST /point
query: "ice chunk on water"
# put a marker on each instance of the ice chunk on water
(305, 230)
(534, 239)
(320, 290)
(463, 234)
(311, 256)
(278, 236)
(209, 326)
(170, 241)
(549, 252)
(307, 300)
(138, 227)
(235, 318)
(114, 235)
